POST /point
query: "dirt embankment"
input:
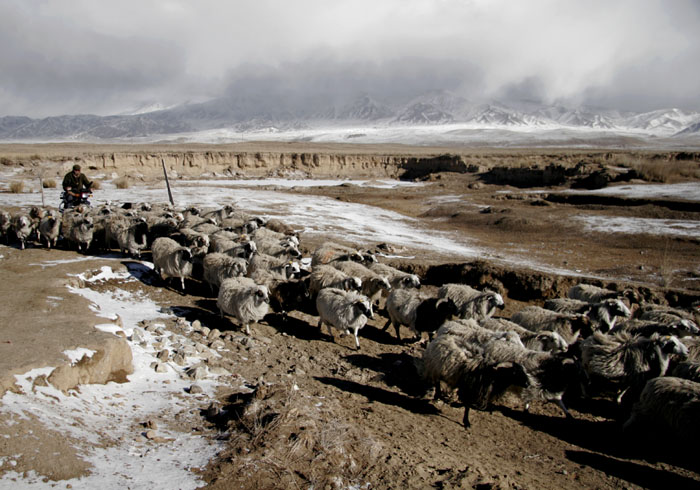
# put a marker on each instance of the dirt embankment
(527, 167)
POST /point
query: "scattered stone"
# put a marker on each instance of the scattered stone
(196, 325)
(137, 335)
(181, 322)
(219, 370)
(196, 389)
(150, 424)
(164, 355)
(196, 372)
(214, 334)
(217, 344)
(179, 359)
(205, 331)
(159, 367)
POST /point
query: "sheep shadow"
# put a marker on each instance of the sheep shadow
(380, 395)
(208, 314)
(397, 370)
(141, 272)
(634, 473)
(295, 327)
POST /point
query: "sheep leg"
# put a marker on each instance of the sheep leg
(465, 418)
(247, 329)
(561, 405)
(357, 341)
(182, 282)
(388, 322)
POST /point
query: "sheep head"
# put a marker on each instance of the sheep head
(364, 307)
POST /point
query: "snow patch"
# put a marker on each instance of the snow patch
(76, 355)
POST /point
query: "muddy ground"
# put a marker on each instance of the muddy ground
(324, 415)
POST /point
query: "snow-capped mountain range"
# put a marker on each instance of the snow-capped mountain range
(240, 118)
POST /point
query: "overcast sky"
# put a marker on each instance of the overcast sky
(105, 56)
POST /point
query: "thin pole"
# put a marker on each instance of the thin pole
(167, 183)
(41, 186)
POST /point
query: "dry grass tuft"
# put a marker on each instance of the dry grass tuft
(658, 170)
(281, 439)
(48, 184)
(97, 185)
(17, 187)
(122, 183)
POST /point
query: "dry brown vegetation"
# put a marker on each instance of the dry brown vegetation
(17, 187)
(121, 183)
(48, 184)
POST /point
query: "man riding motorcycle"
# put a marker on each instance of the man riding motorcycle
(74, 184)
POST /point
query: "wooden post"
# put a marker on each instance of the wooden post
(167, 183)
(41, 187)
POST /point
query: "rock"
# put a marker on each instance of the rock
(151, 434)
(137, 335)
(219, 371)
(217, 344)
(205, 331)
(196, 325)
(159, 367)
(197, 372)
(214, 334)
(196, 389)
(150, 424)
(164, 355)
(179, 359)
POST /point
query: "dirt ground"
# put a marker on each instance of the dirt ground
(324, 415)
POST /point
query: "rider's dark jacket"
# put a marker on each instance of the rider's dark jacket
(76, 184)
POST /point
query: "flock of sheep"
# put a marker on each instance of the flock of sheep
(594, 343)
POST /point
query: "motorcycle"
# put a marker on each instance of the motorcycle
(70, 201)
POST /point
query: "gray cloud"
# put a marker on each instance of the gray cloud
(82, 56)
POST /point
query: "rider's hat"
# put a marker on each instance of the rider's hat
(76, 167)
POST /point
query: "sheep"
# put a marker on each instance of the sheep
(470, 331)
(372, 283)
(326, 276)
(623, 362)
(218, 267)
(5, 225)
(130, 234)
(170, 259)
(243, 299)
(242, 226)
(280, 227)
(693, 346)
(22, 227)
(198, 243)
(686, 370)
(669, 406)
(570, 327)
(662, 313)
(344, 310)
(669, 316)
(206, 228)
(78, 229)
(471, 302)
(278, 268)
(276, 248)
(679, 327)
(219, 214)
(267, 233)
(602, 314)
(463, 366)
(545, 341)
(397, 278)
(417, 311)
(550, 373)
(333, 252)
(245, 250)
(596, 294)
(49, 229)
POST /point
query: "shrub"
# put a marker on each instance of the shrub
(96, 185)
(48, 184)
(5, 161)
(17, 187)
(122, 183)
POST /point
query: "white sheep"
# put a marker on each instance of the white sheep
(419, 312)
(170, 259)
(396, 277)
(344, 310)
(217, 267)
(326, 276)
(470, 302)
(243, 299)
(78, 229)
(49, 229)
(330, 252)
(569, 326)
(596, 294)
(129, 233)
(545, 341)
(373, 284)
(602, 314)
(668, 406)
(673, 325)
(468, 330)
(278, 268)
(22, 227)
(284, 248)
(5, 225)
